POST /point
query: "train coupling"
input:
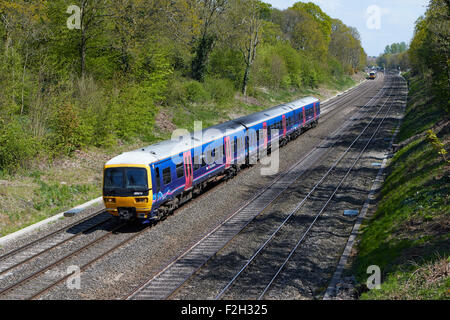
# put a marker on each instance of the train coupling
(126, 213)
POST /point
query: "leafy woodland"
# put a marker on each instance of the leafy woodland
(428, 55)
(66, 86)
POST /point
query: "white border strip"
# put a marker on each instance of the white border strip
(42, 223)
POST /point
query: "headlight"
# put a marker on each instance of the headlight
(141, 200)
(110, 200)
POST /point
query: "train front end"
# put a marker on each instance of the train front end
(127, 189)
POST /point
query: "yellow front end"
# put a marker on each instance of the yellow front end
(141, 204)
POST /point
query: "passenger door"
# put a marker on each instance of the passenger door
(265, 135)
(188, 170)
(228, 157)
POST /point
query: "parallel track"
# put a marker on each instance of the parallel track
(171, 278)
(42, 280)
(270, 248)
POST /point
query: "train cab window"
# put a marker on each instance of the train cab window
(167, 178)
(180, 170)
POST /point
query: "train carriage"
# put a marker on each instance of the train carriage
(151, 182)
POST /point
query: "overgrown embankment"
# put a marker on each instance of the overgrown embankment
(408, 236)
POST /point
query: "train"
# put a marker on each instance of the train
(148, 184)
(372, 75)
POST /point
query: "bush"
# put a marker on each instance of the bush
(270, 69)
(220, 90)
(17, 146)
(133, 113)
(228, 64)
(177, 93)
(68, 133)
(195, 92)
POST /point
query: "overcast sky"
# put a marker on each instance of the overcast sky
(380, 22)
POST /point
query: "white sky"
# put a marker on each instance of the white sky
(396, 23)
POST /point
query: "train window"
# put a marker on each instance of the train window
(219, 151)
(180, 170)
(197, 163)
(158, 180)
(167, 178)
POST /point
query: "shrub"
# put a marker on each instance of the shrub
(195, 92)
(17, 146)
(177, 93)
(227, 63)
(220, 90)
(68, 133)
(133, 112)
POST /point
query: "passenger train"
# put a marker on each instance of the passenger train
(150, 183)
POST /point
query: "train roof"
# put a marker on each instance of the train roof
(169, 148)
(273, 112)
(138, 157)
(256, 118)
(303, 102)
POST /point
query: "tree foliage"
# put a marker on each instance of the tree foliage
(64, 88)
(429, 52)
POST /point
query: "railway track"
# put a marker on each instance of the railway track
(279, 247)
(170, 279)
(32, 250)
(351, 95)
(36, 283)
(45, 278)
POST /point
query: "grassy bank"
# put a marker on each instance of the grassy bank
(52, 186)
(408, 236)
